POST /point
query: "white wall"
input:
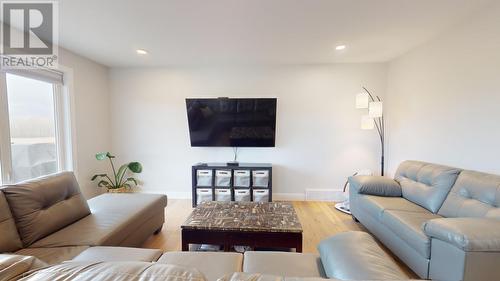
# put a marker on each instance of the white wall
(319, 142)
(91, 116)
(444, 97)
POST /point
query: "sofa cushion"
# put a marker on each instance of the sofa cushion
(9, 238)
(106, 254)
(44, 205)
(283, 264)
(376, 205)
(375, 185)
(212, 264)
(13, 267)
(243, 276)
(355, 255)
(53, 255)
(114, 218)
(474, 194)
(426, 184)
(116, 271)
(408, 226)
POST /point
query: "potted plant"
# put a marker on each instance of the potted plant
(119, 182)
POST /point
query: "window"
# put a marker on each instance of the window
(33, 126)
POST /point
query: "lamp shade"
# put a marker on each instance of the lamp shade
(375, 109)
(362, 100)
(367, 122)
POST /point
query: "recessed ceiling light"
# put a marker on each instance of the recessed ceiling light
(340, 47)
(141, 52)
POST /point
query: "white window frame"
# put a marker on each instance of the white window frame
(5, 154)
(63, 117)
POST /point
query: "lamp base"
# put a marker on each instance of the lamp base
(343, 207)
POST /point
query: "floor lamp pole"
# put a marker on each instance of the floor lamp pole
(382, 161)
(380, 125)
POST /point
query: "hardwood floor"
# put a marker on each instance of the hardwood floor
(169, 239)
(319, 220)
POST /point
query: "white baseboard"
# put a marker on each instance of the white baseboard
(335, 196)
(329, 195)
(276, 196)
(289, 196)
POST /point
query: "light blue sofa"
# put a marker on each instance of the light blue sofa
(443, 222)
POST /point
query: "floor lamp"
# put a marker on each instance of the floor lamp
(374, 119)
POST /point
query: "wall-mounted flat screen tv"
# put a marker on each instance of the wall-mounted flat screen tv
(233, 122)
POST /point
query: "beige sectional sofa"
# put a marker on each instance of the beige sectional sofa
(50, 219)
(123, 263)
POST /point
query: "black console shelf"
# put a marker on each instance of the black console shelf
(231, 167)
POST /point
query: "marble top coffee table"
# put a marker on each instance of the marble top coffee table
(266, 224)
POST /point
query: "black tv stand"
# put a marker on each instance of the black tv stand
(230, 166)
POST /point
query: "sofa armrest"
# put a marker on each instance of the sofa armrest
(467, 234)
(375, 185)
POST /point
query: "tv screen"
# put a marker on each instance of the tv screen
(232, 122)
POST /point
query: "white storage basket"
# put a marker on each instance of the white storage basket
(260, 178)
(223, 194)
(203, 195)
(242, 195)
(204, 178)
(222, 178)
(242, 178)
(261, 195)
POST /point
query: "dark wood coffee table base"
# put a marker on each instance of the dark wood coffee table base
(241, 238)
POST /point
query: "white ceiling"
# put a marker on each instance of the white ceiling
(205, 32)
